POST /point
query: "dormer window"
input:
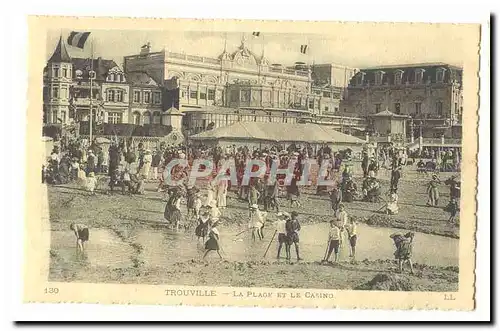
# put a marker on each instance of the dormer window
(379, 76)
(440, 75)
(360, 79)
(419, 76)
(398, 77)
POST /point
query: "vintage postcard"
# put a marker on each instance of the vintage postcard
(252, 163)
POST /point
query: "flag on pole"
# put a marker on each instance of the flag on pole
(303, 49)
(256, 34)
(78, 39)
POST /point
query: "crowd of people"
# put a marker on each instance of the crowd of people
(129, 168)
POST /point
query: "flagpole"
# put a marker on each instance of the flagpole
(91, 85)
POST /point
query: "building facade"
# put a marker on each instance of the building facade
(235, 86)
(430, 94)
(67, 89)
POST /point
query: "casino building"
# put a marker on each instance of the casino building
(240, 86)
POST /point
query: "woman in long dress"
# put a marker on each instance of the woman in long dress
(213, 242)
(221, 194)
(210, 193)
(173, 209)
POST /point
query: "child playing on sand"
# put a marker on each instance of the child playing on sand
(91, 183)
(213, 243)
(82, 235)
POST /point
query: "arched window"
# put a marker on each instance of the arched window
(147, 118)
(156, 117)
(136, 117)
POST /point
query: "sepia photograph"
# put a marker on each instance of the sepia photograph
(253, 159)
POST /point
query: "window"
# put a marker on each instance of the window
(326, 94)
(203, 95)
(156, 98)
(456, 107)
(398, 77)
(119, 96)
(147, 97)
(137, 118)
(440, 75)
(156, 117)
(65, 72)
(114, 117)
(439, 108)
(336, 109)
(118, 77)
(56, 72)
(419, 76)
(112, 77)
(54, 116)
(418, 108)
(147, 118)
(360, 79)
(235, 96)
(55, 92)
(326, 108)
(137, 96)
(379, 75)
(110, 95)
(64, 93)
(397, 108)
(63, 116)
(311, 104)
(211, 94)
(193, 93)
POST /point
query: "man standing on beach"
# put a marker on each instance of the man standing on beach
(292, 232)
(283, 217)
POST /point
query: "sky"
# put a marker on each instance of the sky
(355, 48)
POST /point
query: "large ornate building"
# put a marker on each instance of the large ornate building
(430, 95)
(67, 89)
(236, 86)
(197, 93)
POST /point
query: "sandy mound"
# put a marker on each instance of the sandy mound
(387, 282)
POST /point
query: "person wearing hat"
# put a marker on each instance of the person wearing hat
(454, 187)
(433, 191)
(280, 225)
(395, 176)
(392, 203)
(91, 162)
(213, 242)
(334, 240)
(147, 159)
(172, 211)
(292, 232)
(91, 183)
(404, 245)
(371, 188)
(257, 220)
(365, 163)
(201, 230)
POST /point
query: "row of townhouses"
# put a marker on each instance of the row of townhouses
(195, 93)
